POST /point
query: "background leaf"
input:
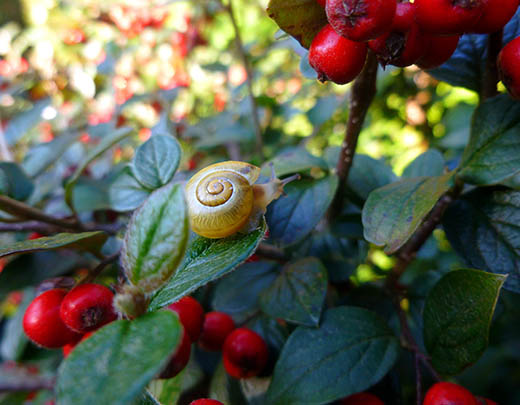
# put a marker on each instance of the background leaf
(126, 193)
(14, 340)
(430, 163)
(114, 364)
(17, 184)
(351, 351)
(457, 317)
(293, 161)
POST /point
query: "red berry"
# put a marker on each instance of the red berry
(245, 353)
(191, 315)
(34, 235)
(179, 359)
(217, 326)
(437, 50)
(508, 62)
(361, 20)
(206, 401)
(321, 2)
(495, 14)
(448, 17)
(87, 307)
(363, 398)
(42, 322)
(446, 393)
(403, 45)
(68, 348)
(336, 58)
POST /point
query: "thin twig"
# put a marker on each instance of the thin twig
(363, 92)
(418, 379)
(489, 87)
(249, 79)
(100, 267)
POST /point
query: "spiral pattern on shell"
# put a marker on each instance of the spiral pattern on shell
(220, 198)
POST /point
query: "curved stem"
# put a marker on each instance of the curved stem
(491, 78)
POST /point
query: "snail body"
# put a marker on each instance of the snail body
(223, 199)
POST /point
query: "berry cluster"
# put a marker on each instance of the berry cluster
(424, 33)
(244, 352)
(445, 393)
(60, 318)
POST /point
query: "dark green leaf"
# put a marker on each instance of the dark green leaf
(298, 293)
(482, 227)
(90, 195)
(207, 260)
(392, 213)
(156, 238)
(89, 241)
(18, 185)
(126, 193)
(351, 351)
(302, 19)
(106, 143)
(156, 161)
(293, 161)
(295, 215)
(430, 163)
(114, 365)
(457, 317)
(13, 339)
(493, 151)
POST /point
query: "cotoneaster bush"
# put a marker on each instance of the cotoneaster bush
(197, 208)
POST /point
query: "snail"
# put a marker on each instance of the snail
(223, 199)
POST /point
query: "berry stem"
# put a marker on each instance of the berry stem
(489, 87)
(100, 267)
(363, 92)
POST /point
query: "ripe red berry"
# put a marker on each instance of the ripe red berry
(360, 20)
(363, 398)
(437, 50)
(508, 62)
(336, 58)
(191, 315)
(321, 2)
(206, 401)
(448, 17)
(446, 393)
(34, 235)
(179, 359)
(87, 307)
(217, 326)
(403, 44)
(495, 14)
(245, 353)
(42, 322)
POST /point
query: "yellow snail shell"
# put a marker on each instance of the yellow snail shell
(223, 199)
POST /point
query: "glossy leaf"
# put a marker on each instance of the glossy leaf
(16, 183)
(457, 317)
(392, 213)
(295, 215)
(302, 19)
(89, 241)
(126, 193)
(493, 151)
(482, 227)
(430, 163)
(114, 365)
(293, 161)
(156, 238)
(298, 293)
(156, 161)
(351, 350)
(207, 260)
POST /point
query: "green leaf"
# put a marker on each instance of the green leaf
(430, 163)
(90, 195)
(156, 238)
(106, 143)
(147, 398)
(114, 365)
(207, 260)
(44, 155)
(302, 19)
(392, 213)
(492, 154)
(167, 391)
(25, 121)
(16, 183)
(351, 351)
(298, 293)
(156, 161)
(89, 241)
(295, 215)
(126, 193)
(13, 339)
(482, 226)
(293, 161)
(457, 317)
(324, 108)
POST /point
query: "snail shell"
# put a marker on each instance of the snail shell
(221, 198)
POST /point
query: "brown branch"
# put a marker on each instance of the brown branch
(100, 267)
(49, 229)
(249, 79)
(491, 78)
(363, 92)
